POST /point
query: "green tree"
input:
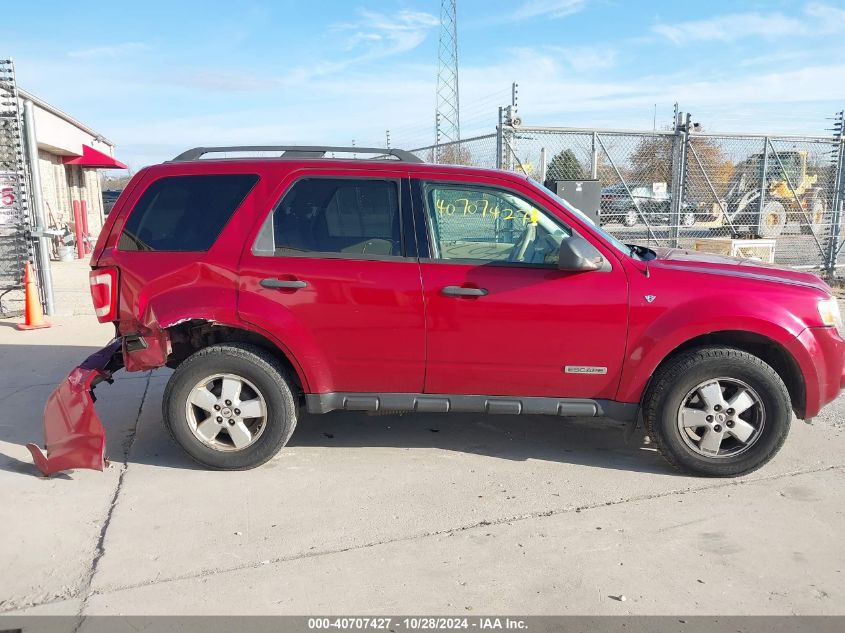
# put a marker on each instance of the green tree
(565, 166)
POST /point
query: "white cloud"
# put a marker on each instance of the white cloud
(778, 57)
(818, 19)
(109, 52)
(730, 27)
(375, 36)
(588, 58)
(556, 59)
(382, 35)
(832, 18)
(550, 94)
(547, 8)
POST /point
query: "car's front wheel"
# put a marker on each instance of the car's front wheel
(230, 406)
(717, 411)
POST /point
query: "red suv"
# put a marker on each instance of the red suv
(302, 281)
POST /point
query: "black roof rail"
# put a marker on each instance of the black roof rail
(298, 151)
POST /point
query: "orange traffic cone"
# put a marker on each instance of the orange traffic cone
(34, 313)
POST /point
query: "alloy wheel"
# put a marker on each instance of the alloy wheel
(721, 417)
(226, 412)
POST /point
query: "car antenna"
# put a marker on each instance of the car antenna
(634, 248)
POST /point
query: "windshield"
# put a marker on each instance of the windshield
(620, 246)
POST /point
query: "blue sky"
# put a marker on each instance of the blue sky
(158, 77)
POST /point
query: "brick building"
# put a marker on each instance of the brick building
(69, 157)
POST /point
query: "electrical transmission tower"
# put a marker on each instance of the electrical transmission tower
(448, 115)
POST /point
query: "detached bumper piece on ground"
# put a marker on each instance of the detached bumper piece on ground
(73, 434)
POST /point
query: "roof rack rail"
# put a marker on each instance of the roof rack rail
(298, 151)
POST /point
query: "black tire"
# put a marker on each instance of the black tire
(259, 368)
(682, 373)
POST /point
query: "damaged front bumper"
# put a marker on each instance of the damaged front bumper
(73, 434)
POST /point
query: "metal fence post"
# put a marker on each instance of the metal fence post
(542, 165)
(764, 174)
(676, 200)
(43, 243)
(508, 138)
(838, 201)
(833, 251)
(594, 159)
(500, 146)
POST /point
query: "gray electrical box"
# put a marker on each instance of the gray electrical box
(584, 195)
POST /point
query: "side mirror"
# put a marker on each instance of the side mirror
(577, 254)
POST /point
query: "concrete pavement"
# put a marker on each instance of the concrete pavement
(402, 514)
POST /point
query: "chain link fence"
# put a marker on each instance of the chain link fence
(781, 189)
(477, 151)
(776, 198)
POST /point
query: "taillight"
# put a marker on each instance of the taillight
(103, 282)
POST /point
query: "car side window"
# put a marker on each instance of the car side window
(479, 223)
(341, 216)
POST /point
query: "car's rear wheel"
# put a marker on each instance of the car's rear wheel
(230, 406)
(630, 218)
(717, 412)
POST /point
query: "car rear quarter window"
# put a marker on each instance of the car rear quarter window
(184, 213)
(334, 216)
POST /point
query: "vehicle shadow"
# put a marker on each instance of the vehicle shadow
(595, 442)
(598, 442)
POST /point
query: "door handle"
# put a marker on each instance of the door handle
(290, 284)
(460, 291)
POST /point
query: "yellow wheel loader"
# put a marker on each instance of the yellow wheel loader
(790, 195)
